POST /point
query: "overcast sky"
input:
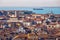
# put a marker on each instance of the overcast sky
(29, 3)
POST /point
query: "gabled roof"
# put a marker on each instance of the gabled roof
(1, 14)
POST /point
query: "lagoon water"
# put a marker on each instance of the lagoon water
(55, 10)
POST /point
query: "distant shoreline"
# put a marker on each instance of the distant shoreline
(55, 10)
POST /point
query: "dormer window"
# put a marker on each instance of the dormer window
(37, 16)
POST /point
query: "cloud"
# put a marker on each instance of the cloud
(29, 3)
